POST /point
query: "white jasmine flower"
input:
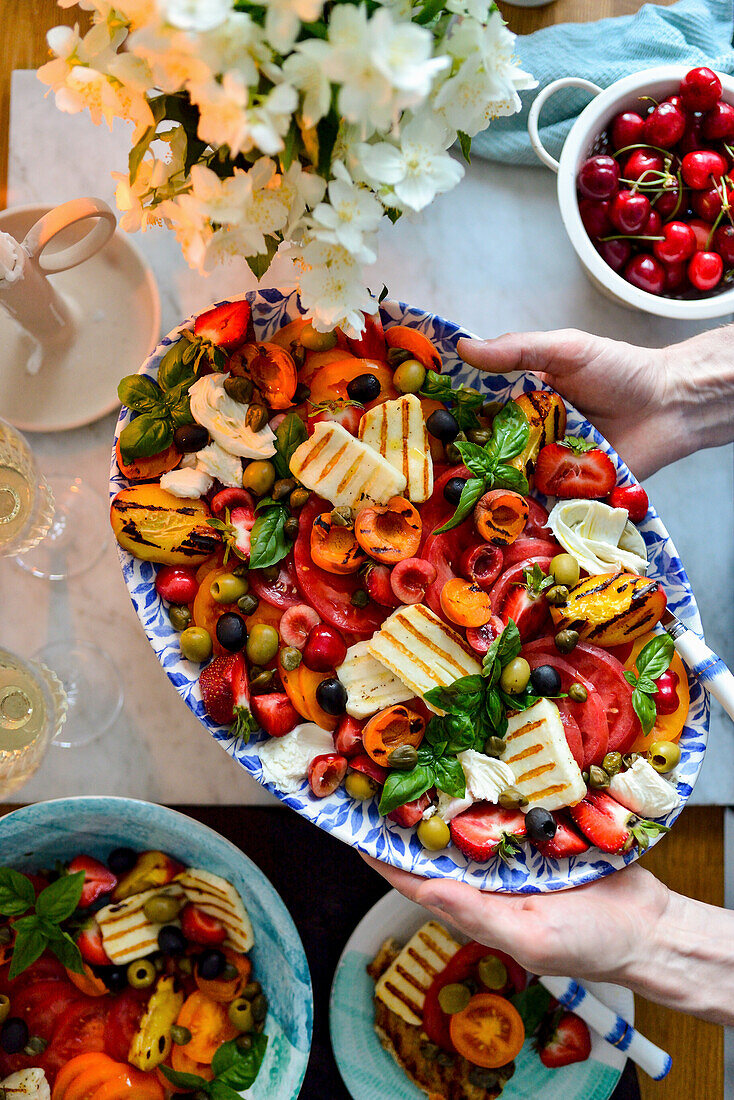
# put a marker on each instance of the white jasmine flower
(304, 69)
(173, 56)
(283, 20)
(332, 288)
(222, 107)
(417, 170)
(477, 9)
(402, 52)
(299, 191)
(237, 45)
(195, 15)
(490, 48)
(365, 96)
(271, 119)
(351, 212)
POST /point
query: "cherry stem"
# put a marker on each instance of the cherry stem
(631, 237)
(644, 145)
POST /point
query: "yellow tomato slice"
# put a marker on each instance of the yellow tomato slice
(668, 727)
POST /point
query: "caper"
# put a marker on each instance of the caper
(241, 1015)
(409, 376)
(229, 973)
(664, 755)
(4, 1007)
(6, 934)
(445, 1059)
(453, 997)
(180, 616)
(396, 356)
(303, 392)
(342, 516)
(180, 1035)
(557, 596)
(480, 436)
(566, 640)
(360, 786)
(259, 477)
(185, 965)
(453, 455)
(404, 758)
(141, 974)
(259, 1007)
(578, 693)
(196, 644)
(492, 972)
(612, 763)
(244, 1042)
(483, 1078)
(290, 658)
(35, 1045)
(585, 777)
(242, 570)
(511, 799)
(515, 676)
(248, 603)
(430, 1051)
(290, 527)
(628, 758)
(226, 588)
(360, 598)
(565, 570)
(283, 488)
(494, 746)
(598, 778)
(251, 990)
(256, 417)
(239, 389)
(262, 643)
(162, 908)
(434, 834)
(313, 340)
(263, 682)
(298, 497)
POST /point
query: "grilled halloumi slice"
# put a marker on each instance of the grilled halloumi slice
(127, 934)
(397, 430)
(219, 899)
(541, 761)
(406, 981)
(346, 471)
(422, 651)
(370, 685)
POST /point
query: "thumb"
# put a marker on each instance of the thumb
(491, 919)
(556, 353)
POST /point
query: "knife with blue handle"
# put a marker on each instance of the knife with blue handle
(705, 665)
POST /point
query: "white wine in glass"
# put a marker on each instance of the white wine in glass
(32, 711)
(26, 502)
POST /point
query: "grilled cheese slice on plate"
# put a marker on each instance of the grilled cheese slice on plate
(217, 897)
(127, 934)
(541, 761)
(406, 981)
(397, 430)
(370, 685)
(344, 470)
(422, 651)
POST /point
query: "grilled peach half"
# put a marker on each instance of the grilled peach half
(611, 609)
(154, 525)
(546, 415)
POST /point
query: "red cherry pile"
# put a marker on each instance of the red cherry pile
(657, 199)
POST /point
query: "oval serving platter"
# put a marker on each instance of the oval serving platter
(359, 823)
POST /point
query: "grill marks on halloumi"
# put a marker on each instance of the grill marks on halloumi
(343, 469)
(370, 685)
(541, 761)
(127, 934)
(397, 431)
(422, 651)
(217, 897)
(403, 986)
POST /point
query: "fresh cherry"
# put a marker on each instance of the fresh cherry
(480, 638)
(176, 583)
(678, 245)
(701, 168)
(669, 202)
(705, 270)
(325, 648)
(666, 697)
(724, 243)
(642, 161)
(615, 253)
(701, 231)
(676, 100)
(599, 177)
(718, 123)
(707, 204)
(665, 126)
(629, 211)
(631, 497)
(410, 578)
(377, 583)
(646, 273)
(626, 129)
(348, 737)
(676, 277)
(700, 89)
(692, 138)
(595, 216)
(653, 226)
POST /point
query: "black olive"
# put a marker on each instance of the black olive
(190, 438)
(14, 1035)
(210, 964)
(231, 631)
(171, 940)
(364, 388)
(443, 425)
(544, 680)
(453, 489)
(331, 695)
(540, 824)
(122, 860)
(114, 977)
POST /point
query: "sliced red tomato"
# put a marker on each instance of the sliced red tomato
(122, 1022)
(528, 613)
(437, 509)
(41, 1004)
(607, 675)
(331, 593)
(47, 967)
(536, 525)
(444, 552)
(573, 736)
(529, 547)
(283, 591)
(80, 1030)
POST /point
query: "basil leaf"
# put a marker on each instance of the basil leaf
(645, 709)
(268, 542)
(239, 1068)
(172, 371)
(65, 950)
(436, 386)
(507, 477)
(30, 943)
(647, 685)
(140, 393)
(476, 459)
(16, 892)
(289, 435)
(494, 713)
(470, 494)
(465, 416)
(449, 777)
(184, 1080)
(145, 436)
(655, 657)
(181, 411)
(463, 694)
(218, 1089)
(59, 900)
(509, 643)
(510, 433)
(532, 1004)
(461, 731)
(630, 678)
(402, 787)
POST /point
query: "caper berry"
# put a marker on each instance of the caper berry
(263, 682)
(342, 516)
(404, 758)
(180, 616)
(409, 376)
(578, 693)
(494, 746)
(290, 658)
(360, 598)
(259, 1007)
(248, 603)
(454, 997)
(515, 676)
(565, 570)
(290, 527)
(239, 389)
(196, 644)
(35, 1045)
(434, 834)
(557, 596)
(480, 436)
(283, 488)
(262, 643)
(256, 417)
(612, 763)
(241, 1015)
(141, 974)
(664, 755)
(298, 497)
(251, 990)
(511, 799)
(598, 778)
(4, 1007)
(492, 972)
(313, 340)
(162, 909)
(566, 640)
(180, 1035)
(259, 477)
(226, 588)
(360, 786)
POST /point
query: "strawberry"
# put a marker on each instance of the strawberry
(567, 841)
(231, 498)
(610, 826)
(347, 413)
(226, 694)
(275, 713)
(574, 468)
(98, 879)
(235, 529)
(226, 326)
(567, 1041)
(485, 830)
(89, 942)
(526, 605)
(371, 344)
(198, 927)
(410, 813)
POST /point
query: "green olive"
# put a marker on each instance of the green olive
(298, 498)
(480, 436)
(259, 477)
(184, 964)
(409, 376)
(262, 643)
(360, 786)
(141, 974)
(565, 570)
(239, 389)
(259, 1007)
(248, 603)
(256, 417)
(434, 834)
(454, 997)
(492, 972)
(515, 676)
(283, 488)
(313, 340)
(494, 746)
(180, 616)
(557, 596)
(162, 908)
(566, 640)
(598, 778)
(196, 644)
(404, 758)
(226, 588)
(578, 693)
(4, 1007)
(612, 763)
(251, 990)
(290, 658)
(360, 598)
(241, 1015)
(664, 755)
(180, 1035)
(511, 799)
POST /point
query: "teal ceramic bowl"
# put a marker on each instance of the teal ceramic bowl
(37, 835)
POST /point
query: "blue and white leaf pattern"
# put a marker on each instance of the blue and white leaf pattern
(362, 826)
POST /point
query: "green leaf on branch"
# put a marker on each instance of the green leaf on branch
(465, 145)
(259, 264)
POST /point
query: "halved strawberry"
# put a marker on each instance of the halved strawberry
(371, 344)
(566, 842)
(275, 713)
(225, 326)
(235, 529)
(571, 469)
(89, 942)
(566, 1041)
(98, 879)
(226, 694)
(485, 830)
(231, 498)
(526, 605)
(347, 413)
(610, 826)
(198, 927)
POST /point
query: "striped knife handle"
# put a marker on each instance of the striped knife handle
(704, 664)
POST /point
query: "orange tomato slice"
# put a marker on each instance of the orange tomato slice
(285, 336)
(85, 1071)
(129, 1084)
(315, 360)
(184, 1064)
(88, 982)
(419, 346)
(489, 1032)
(226, 991)
(330, 383)
(300, 687)
(149, 469)
(668, 727)
(208, 1022)
(206, 611)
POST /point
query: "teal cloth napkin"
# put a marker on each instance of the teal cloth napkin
(692, 31)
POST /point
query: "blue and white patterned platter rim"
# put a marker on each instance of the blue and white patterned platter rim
(359, 823)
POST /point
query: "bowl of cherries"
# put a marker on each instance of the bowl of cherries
(646, 188)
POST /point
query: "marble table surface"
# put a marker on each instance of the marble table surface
(491, 255)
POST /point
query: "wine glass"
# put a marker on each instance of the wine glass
(33, 707)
